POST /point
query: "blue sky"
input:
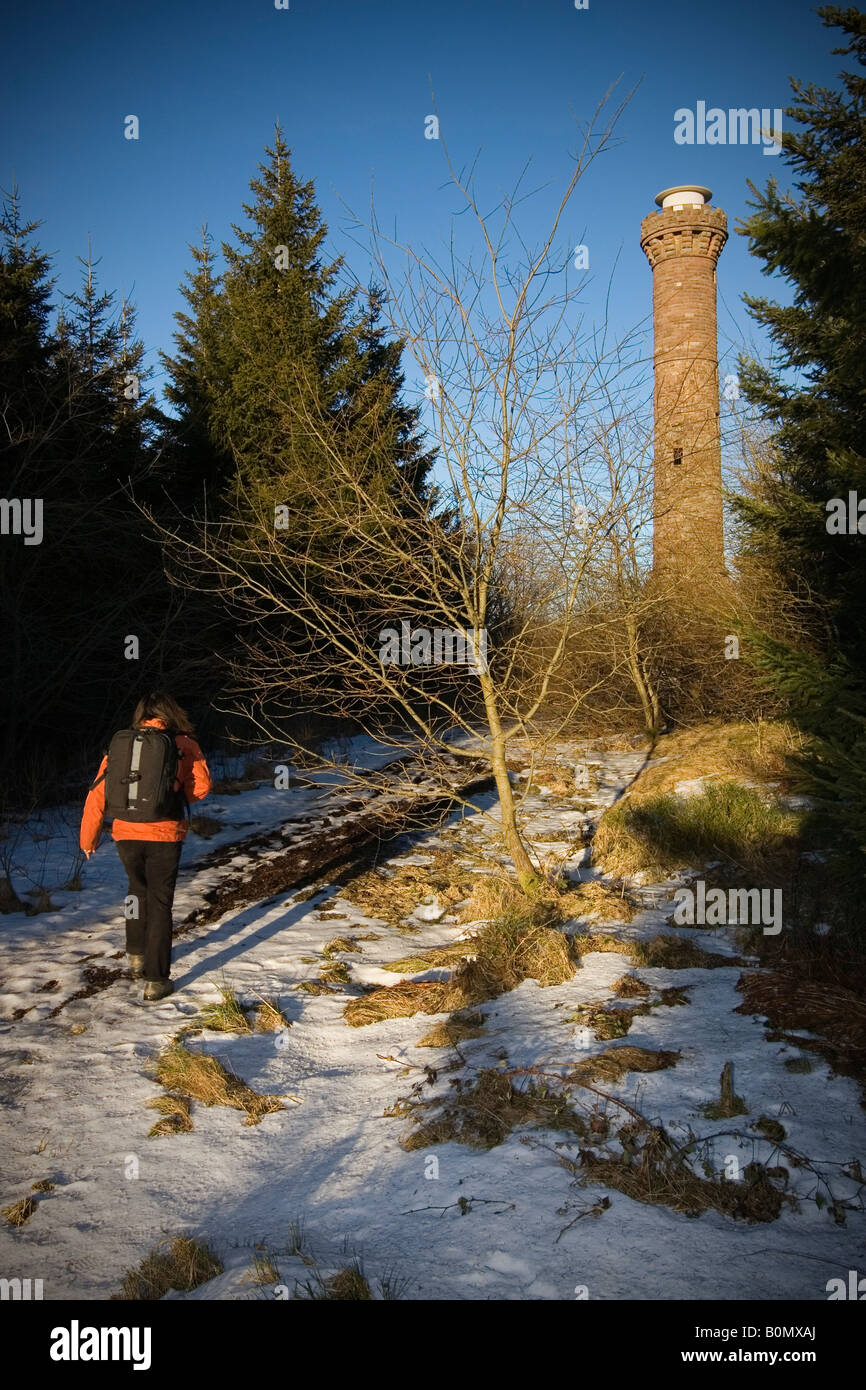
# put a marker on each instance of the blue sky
(350, 82)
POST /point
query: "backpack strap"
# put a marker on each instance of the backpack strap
(181, 790)
(102, 776)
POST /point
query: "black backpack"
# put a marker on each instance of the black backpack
(140, 775)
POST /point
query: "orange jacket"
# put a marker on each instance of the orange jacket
(192, 775)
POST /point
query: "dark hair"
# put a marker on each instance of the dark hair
(159, 705)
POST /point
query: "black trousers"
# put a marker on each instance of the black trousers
(151, 867)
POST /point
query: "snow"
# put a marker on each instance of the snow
(75, 1086)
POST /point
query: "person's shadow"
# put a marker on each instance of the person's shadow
(228, 930)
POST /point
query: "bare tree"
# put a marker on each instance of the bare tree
(393, 609)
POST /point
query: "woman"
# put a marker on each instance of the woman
(150, 849)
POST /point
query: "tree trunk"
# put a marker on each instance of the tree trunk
(646, 690)
(527, 874)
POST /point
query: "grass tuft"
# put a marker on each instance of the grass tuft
(196, 1076)
(335, 972)
(269, 1017)
(515, 946)
(225, 1017)
(650, 1170)
(617, 1062)
(346, 945)
(17, 1214)
(176, 1118)
(484, 1112)
(455, 1030)
(181, 1264)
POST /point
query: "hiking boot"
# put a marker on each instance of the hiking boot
(157, 989)
(136, 966)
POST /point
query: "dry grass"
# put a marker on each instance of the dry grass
(667, 952)
(225, 1017)
(17, 1214)
(458, 1028)
(269, 1017)
(433, 958)
(196, 1076)
(747, 831)
(555, 777)
(176, 1118)
(345, 945)
(484, 1112)
(230, 1016)
(392, 894)
(837, 1015)
(607, 1023)
(335, 972)
(264, 1270)
(615, 1022)
(601, 900)
(494, 897)
(181, 1264)
(586, 943)
(347, 1285)
(397, 1001)
(651, 829)
(631, 987)
(507, 951)
(754, 752)
(316, 987)
(616, 1062)
(652, 1171)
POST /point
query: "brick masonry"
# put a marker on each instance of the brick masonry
(683, 246)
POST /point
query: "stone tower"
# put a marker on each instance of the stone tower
(682, 243)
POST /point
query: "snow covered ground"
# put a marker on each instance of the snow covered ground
(75, 1085)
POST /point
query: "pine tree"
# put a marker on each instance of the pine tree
(815, 238)
(116, 418)
(382, 434)
(73, 440)
(284, 334)
(199, 468)
(25, 297)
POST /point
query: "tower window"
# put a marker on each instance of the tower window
(678, 455)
